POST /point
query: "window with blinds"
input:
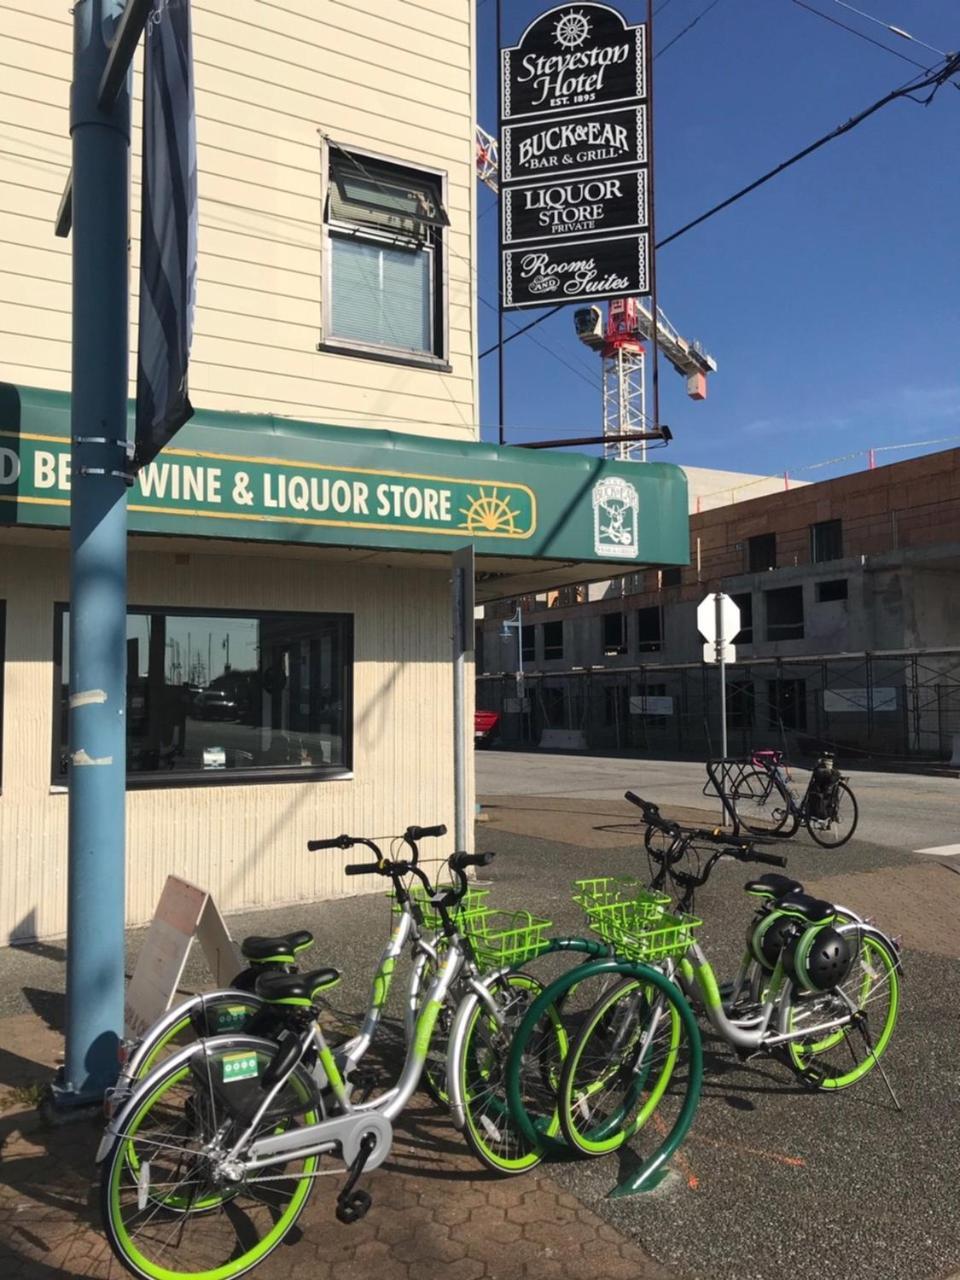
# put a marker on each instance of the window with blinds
(385, 258)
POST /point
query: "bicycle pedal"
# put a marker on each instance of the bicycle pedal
(351, 1208)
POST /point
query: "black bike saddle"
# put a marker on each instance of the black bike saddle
(772, 885)
(295, 988)
(278, 950)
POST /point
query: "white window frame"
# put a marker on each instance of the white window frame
(437, 359)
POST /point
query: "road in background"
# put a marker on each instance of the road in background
(897, 811)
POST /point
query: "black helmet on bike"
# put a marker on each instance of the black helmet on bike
(766, 938)
(819, 958)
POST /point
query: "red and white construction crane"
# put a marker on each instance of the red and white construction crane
(619, 337)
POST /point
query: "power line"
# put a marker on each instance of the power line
(845, 26)
(932, 81)
(897, 31)
(689, 27)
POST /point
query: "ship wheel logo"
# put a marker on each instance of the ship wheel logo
(489, 513)
(571, 30)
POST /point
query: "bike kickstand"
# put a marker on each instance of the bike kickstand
(868, 1040)
(353, 1205)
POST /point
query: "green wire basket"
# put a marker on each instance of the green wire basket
(634, 936)
(605, 891)
(501, 938)
(473, 901)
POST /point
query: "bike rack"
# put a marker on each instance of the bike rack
(599, 961)
(723, 774)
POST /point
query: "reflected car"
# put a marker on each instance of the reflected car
(213, 704)
(486, 725)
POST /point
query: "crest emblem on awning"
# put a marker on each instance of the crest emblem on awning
(616, 508)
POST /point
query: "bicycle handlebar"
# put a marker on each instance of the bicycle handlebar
(335, 842)
(423, 833)
(771, 859)
(651, 814)
(363, 869)
(460, 861)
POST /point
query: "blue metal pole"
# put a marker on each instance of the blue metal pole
(98, 565)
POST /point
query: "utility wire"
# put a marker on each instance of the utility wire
(932, 81)
(897, 31)
(845, 26)
(689, 27)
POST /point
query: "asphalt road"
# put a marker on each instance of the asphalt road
(774, 1179)
(901, 811)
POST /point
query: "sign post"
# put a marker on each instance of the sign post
(98, 565)
(462, 593)
(718, 621)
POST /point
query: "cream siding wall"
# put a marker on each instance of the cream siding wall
(271, 81)
(245, 843)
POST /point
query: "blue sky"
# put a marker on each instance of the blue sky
(830, 297)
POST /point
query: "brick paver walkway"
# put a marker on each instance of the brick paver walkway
(434, 1214)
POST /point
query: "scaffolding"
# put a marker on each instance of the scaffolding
(896, 705)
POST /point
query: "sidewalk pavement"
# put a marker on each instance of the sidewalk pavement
(433, 1207)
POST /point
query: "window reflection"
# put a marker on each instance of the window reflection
(214, 693)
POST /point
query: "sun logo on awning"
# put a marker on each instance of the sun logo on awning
(489, 513)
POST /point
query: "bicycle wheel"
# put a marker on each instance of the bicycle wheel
(630, 1052)
(870, 993)
(171, 1208)
(490, 1130)
(761, 804)
(836, 830)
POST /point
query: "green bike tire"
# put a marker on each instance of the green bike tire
(873, 986)
(490, 1130)
(611, 1082)
(147, 1250)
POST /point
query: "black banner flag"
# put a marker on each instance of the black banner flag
(168, 229)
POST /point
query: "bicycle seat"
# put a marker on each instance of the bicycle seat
(813, 910)
(295, 988)
(771, 885)
(278, 950)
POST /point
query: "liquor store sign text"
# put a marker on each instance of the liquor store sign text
(37, 472)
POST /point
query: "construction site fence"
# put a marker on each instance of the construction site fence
(893, 705)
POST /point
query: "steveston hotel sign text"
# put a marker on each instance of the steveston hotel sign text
(575, 179)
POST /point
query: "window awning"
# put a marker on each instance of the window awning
(541, 517)
(388, 198)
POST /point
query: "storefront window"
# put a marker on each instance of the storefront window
(227, 696)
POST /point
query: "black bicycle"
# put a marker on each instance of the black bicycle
(766, 804)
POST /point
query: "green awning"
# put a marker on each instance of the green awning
(263, 478)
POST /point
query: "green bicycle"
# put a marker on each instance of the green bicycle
(240, 1008)
(815, 987)
(209, 1162)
